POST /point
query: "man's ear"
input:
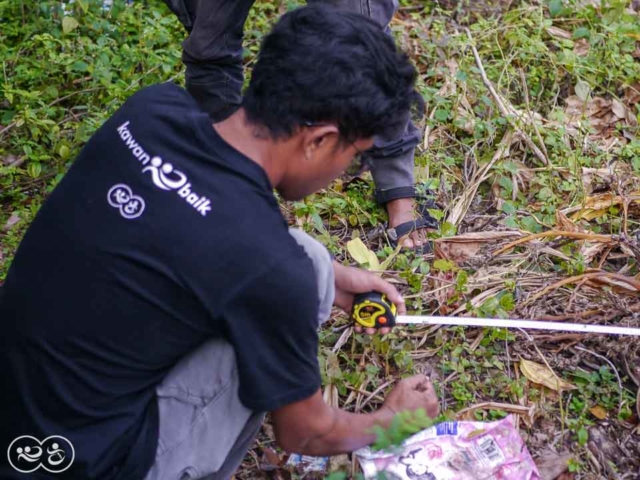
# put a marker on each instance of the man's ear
(318, 138)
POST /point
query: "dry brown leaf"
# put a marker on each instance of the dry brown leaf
(601, 443)
(537, 373)
(590, 250)
(496, 191)
(592, 176)
(597, 205)
(343, 339)
(555, 253)
(469, 119)
(632, 94)
(621, 283)
(270, 460)
(581, 47)
(618, 109)
(599, 412)
(563, 223)
(559, 33)
(551, 465)
(465, 246)
(523, 174)
(449, 85)
(444, 289)
(575, 105)
(603, 115)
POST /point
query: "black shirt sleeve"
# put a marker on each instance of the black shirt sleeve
(272, 325)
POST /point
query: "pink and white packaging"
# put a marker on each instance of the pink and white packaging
(455, 451)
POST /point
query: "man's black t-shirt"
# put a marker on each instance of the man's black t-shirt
(160, 236)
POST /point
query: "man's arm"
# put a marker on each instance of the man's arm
(311, 427)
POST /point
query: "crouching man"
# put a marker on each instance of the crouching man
(159, 305)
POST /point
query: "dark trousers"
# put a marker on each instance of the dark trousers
(212, 54)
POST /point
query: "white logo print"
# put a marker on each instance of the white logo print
(55, 454)
(159, 174)
(163, 175)
(120, 196)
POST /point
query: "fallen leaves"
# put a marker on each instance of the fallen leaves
(543, 375)
(602, 178)
(559, 33)
(603, 115)
(599, 412)
(596, 206)
(565, 224)
(270, 460)
(581, 47)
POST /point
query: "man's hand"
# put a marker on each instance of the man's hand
(413, 393)
(351, 281)
(311, 427)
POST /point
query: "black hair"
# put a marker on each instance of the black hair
(320, 64)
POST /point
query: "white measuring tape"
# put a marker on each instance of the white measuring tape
(510, 323)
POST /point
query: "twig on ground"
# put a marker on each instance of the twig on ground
(342, 340)
(427, 130)
(507, 407)
(508, 113)
(459, 210)
(375, 393)
(556, 233)
(579, 278)
(525, 88)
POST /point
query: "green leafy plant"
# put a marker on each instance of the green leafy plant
(403, 425)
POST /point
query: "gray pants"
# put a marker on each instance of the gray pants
(212, 54)
(205, 431)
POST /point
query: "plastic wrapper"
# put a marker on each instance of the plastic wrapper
(455, 451)
(307, 464)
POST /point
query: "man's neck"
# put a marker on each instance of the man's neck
(246, 139)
